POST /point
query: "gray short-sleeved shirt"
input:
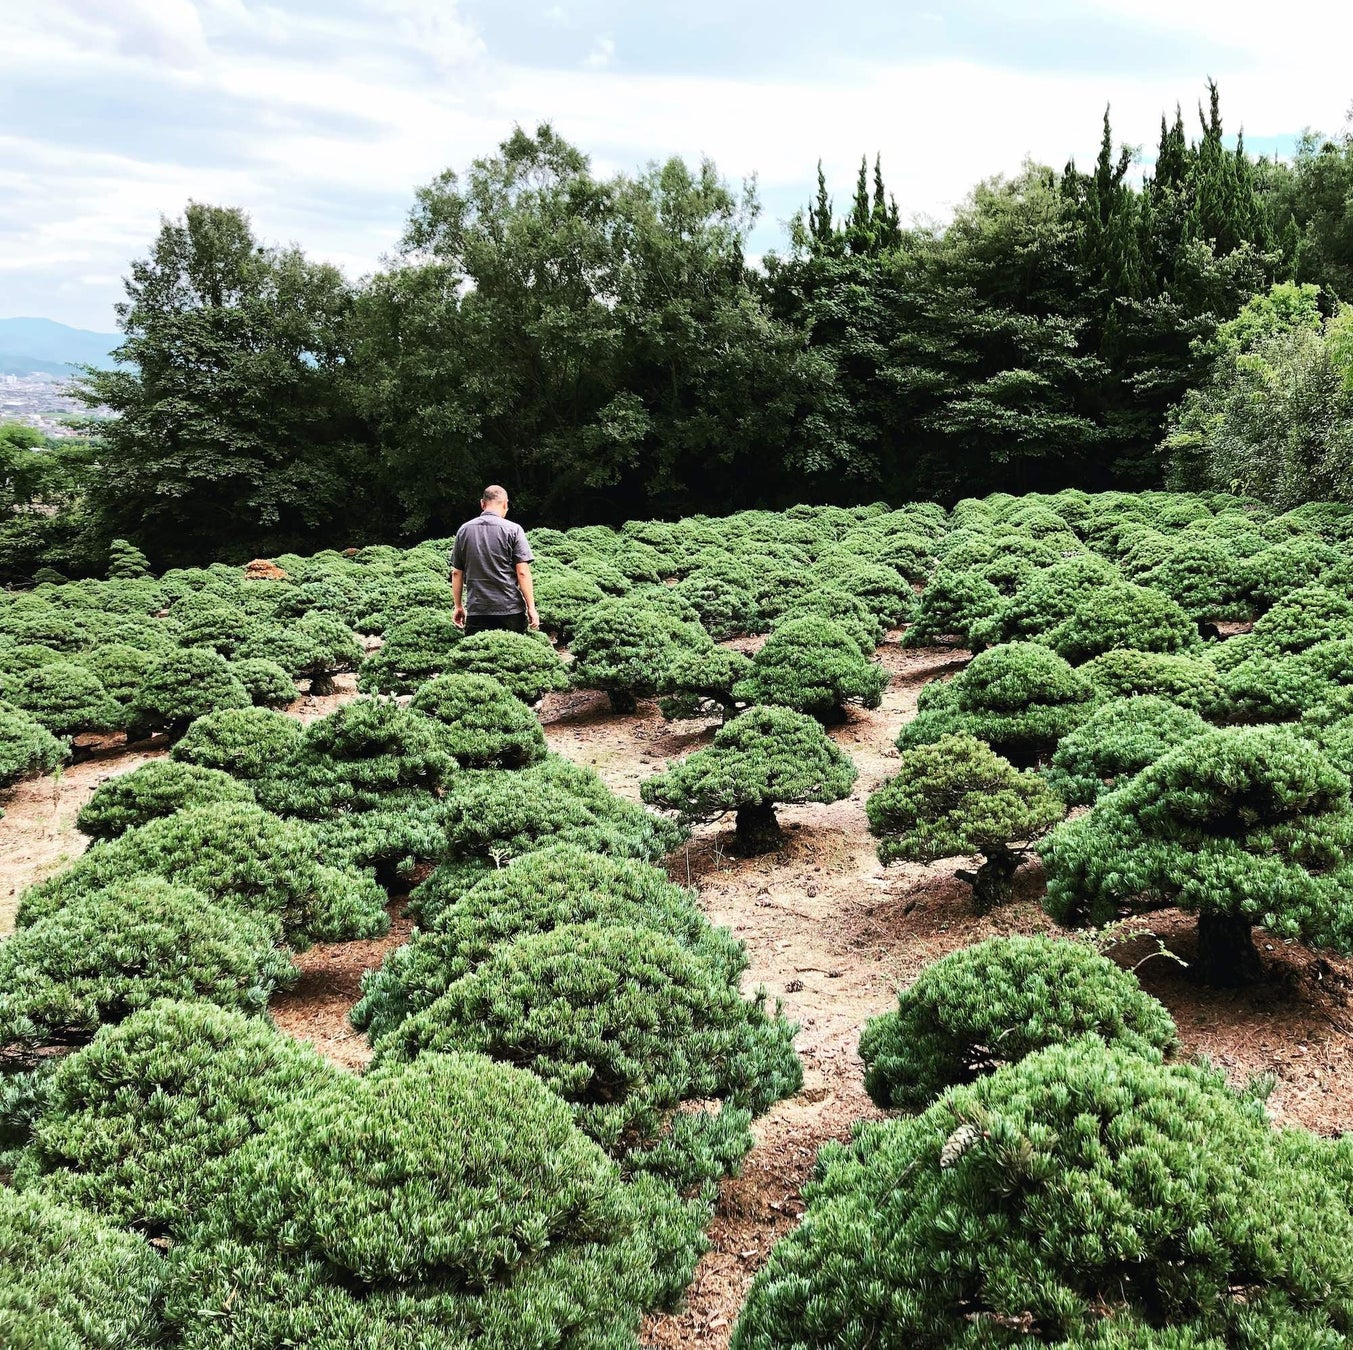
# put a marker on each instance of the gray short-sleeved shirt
(488, 549)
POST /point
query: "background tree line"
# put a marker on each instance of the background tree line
(605, 347)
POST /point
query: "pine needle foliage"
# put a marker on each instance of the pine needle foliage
(140, 1124)
(764, 758)
(244, 742)
(1240, 826)
(157, 789)
(813, 666)
(956, 796)
(27, 748)
(107, 954)
(1083, 1197)
(484, 724)
(994, 1003)
(183, 685)
(523, 663)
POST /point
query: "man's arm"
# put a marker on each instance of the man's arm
(527, 588)
(457, 589)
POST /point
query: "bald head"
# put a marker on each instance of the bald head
(494, 499)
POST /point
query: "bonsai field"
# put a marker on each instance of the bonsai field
(974, 826)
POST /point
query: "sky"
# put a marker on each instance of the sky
(321, 117)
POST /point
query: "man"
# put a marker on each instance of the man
(491, 570)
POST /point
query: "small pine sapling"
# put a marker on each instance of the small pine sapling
(813, 666)
(764, 758)
(956, 796)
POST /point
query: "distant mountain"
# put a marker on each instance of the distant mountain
(41, 346)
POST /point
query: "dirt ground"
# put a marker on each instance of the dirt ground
(830, 933)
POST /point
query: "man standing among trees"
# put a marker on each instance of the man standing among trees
(492, 556)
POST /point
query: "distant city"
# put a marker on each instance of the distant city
(41, 401)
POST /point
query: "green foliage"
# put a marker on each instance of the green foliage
(625, 646)
(494, 815)
(956, 796)
(725, 601)
(537, 893)
(563, 597)
(625, 1024)
(119, 667)
(315, 647)
(213, 623)
(109, 953)
(955, 602)
(699, 682)
(27, 748)
(996, 1002)
(73, 1282)
(1301, 619)
(1242, 826)
(513, 1227)
(767, 757)
(1020, 698)
(523, 663)
(63, 697)
(238, 854)
(245, 742)
(141, 1123)
(352, 758)
(417, 648)
(154, 790)
(1120, 738)
(183, 685)
(1185, 680)
(485, 725)
(1084, 1197)
(887, 593)
(126, 561)
(266, 683)
(813, 666)
(847, 611)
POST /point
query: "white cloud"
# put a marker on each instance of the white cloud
(322, 123)
(601, 55)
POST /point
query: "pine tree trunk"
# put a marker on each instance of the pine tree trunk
(758, 831)
(1227, 956)
(622, 701)
(994, 883)
(322, 684)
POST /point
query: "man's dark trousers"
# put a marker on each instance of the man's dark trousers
(483, 623)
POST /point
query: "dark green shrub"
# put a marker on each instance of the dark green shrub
(126, 561)
(766, 757)
(220, 627)
(1241, 827)
(109, 953)
(27, 748)
(140, 1123)
(625, 646)
(485, 726)
(237, 854)
(65, 698)
(1085, 1198)
(537, 893)
(1020, 698)
(315, 647)
(625, 1024)
(1269, 689)
(814, 667)
(848, 612)
(245, 742)
(402, 829)
(1120, 738)
(156, 789)
(512, 1227)
(120, 668)
(1052, 595)
(32, 622)
(72, 1282)
(996, 1002)
(699, 682)
(1184, 680)
(1203, 576)
(887, 593)
(416, 648)
(1121, 615)
(954, 797)
(563, 596)
(351, 759)
(492, 816)
(180, 686)
(266, 683)
(724, 600)
(523, 663)
(1303, 619)
(385, 602)
(954, 603)
(1277, 571)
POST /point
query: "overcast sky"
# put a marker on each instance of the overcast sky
(320, 117)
